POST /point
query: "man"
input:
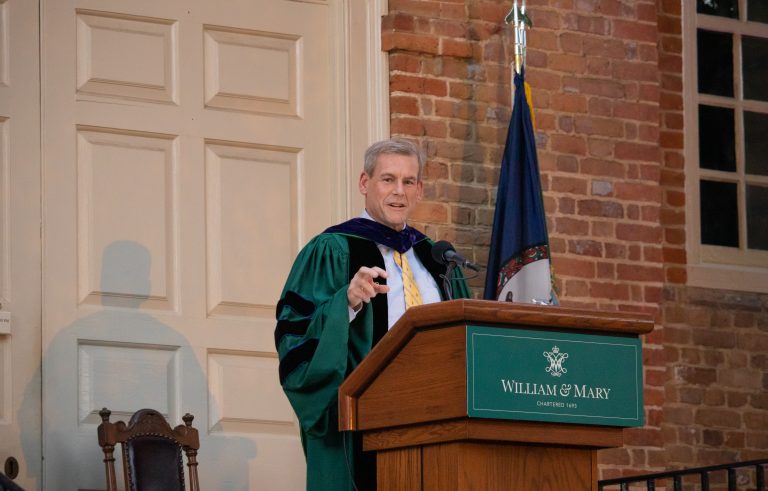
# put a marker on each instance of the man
(347, 287)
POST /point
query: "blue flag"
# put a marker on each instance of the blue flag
(519, 264)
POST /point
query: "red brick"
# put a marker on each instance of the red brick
(672, 217)
(718, 418)
(671, 82)
(569, 185)
(674, 255)
(650, 53)
(601, 87)
(624, 29)
(600, 208)
(566, 266)
(418, 85)
(455, 68)
(456, 47)
(599, 106)
(406, 126)
(670, 101)
(598, 66)
(670, 7)
(544, 80)
(404, 62)
(636, 111)
(431, 212)
(491, 93)
(642, 437)
(638, 233)
(603, 229)
(585, 248)
(613, 291)
(586, 23)
(571, 226)
(414, 7)
(546, 19)
(652, 254)
(598, 126)
(669, 25)
(450, 29)
(673, 121)
(671, 139)
(576, 288)
(649, 93)
(635, 71)
(435, 170)
(449, 11)
(404, 105)
(460, 90)
(652, 294)
(571, 145)
(572, 103)
(488, 11)
(398, 22)
(606, 271)
(601, 148)
(636, 272)
(419, 43)
(676, 275)
(636, 151)
(637, 192)
(567, 63)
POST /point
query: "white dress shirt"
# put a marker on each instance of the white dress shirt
(396, 298)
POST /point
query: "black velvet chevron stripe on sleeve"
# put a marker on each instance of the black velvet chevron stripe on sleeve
(299, 304)
(296, 328)
(296, 357)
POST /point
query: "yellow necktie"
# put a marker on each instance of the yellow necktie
(410, 289)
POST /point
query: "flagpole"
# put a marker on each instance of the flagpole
(520, 22)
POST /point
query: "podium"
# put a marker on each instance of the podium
(415, 398)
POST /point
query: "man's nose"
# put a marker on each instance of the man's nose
(399, 187)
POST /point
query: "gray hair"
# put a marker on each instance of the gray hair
(398, 146)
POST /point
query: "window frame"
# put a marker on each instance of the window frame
(709, 265)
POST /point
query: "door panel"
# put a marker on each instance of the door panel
(20, 254)
(190, 149)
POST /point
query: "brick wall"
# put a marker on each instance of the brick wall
(593, 66)
(715, 342)
(716, 345)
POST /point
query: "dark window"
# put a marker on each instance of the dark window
(719, 215)
(757, 217)
(757, 11)
(755, 67)
(756, 143)
(715, 63)
(717, 147)
(722, 8)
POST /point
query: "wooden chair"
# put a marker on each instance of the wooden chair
(151, 451)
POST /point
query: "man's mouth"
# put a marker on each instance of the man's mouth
(397, 205)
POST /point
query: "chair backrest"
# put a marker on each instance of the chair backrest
(151, 451)
(6, 484)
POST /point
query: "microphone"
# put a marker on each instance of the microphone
(444, 253)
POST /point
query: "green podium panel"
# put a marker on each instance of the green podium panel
(552, 376)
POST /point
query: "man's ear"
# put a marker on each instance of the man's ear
(419, 190)
(363, 183)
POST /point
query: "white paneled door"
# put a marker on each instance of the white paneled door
(189, 149)
(20, 240)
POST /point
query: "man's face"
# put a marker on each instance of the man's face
(393, 190)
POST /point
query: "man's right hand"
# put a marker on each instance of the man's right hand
(363, 288)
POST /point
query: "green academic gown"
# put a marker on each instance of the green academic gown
(318, 347)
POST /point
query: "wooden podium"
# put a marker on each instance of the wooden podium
(409, 398)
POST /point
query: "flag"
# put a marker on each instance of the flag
(519, 262)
